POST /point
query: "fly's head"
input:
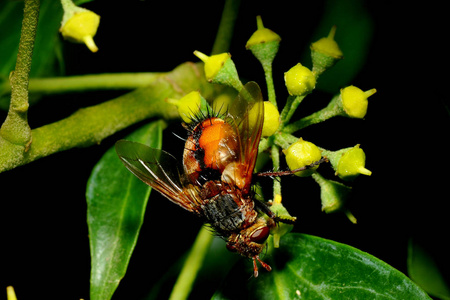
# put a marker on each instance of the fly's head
(250, 242)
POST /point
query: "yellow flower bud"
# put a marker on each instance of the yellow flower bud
(328, 45)
(221, 103)
(352, 163)
(325, 53)
(79, 25)
(354, 101)
(213, 63)
(220, 69)
(299, 80)
(271, 119)
(300, 154)
(262, 35)
(188, 106)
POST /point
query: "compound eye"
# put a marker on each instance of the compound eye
(260, 235)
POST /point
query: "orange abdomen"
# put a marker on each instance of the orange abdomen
(211, 145)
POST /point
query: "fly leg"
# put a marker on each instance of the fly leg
(264, 208)
(255, 266)
(290, 172)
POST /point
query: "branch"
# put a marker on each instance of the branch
(91, 125)
(83, 83)
(15, 129)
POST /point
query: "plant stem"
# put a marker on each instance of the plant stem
(192, 265)
(293, 107)
(267, 67)
(275, 153)
(284, 140)
(117, 81)
(332, 110)
(15, 129)
(226, 27)
(89, 126)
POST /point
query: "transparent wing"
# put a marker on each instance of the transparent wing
(159, 170)
(247, 116)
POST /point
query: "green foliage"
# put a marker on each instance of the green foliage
(116, 205)
(303, 266)
(308, 267)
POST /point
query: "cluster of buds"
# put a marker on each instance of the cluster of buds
(277, 133)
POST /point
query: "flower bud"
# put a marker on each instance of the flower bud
(79, 25)
(301, 154)
(352, 163)
(299, 80)
(333, 196)
(221, 103)
(189, 106)
(348, 162)
(220, 69)
(282, 228)
(262, 35)
(354, 101)
(325, 53)
(271, 119)
(263, 43)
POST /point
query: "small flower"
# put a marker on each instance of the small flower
(352, 163)
(348, 162)
(271, 119)
(354, 101)
(300, 154)
(221, 103)
(262, 35)
(220, 69)
(79, 25)
(190, 106)
(299, 80)
(325, 53)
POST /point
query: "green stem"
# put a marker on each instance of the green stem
(267, 67)
(275, 153)
(332, 110)
(117, 81)
(192, 265)
(15, 129)
(89, 126)
(226, 27)
(284, 140)
(291, 110)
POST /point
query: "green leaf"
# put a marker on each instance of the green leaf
(308, 267)
(116, 202)
(423, 269)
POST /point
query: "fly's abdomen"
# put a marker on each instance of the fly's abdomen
(223, 213)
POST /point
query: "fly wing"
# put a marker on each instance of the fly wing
(159, 170)
(247, 116)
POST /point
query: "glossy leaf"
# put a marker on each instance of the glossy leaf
(423, 269)
(116, 202)
(308, 267)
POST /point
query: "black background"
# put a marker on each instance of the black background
(404, 135)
